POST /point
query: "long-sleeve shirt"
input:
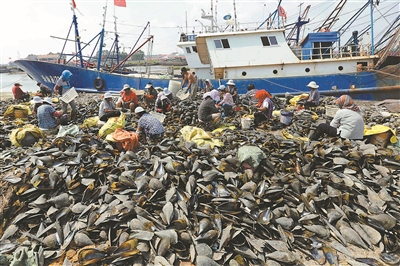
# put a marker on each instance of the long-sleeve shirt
(227, 99)
(350, 124)
(17, 91)
(160, 97)
(46, 119)
(314, 96)
(150, 125)
(250, 97)
(206, 109)
(106, 105)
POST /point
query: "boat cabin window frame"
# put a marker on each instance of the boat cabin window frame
(194, 49)
(188, 50)
(269, 40)
(222, 44)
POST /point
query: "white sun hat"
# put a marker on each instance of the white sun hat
(313, 85)
(107, 95)
(48, 100)
(230, 82)
(139, 110)
(36, 99)
(126, 86)
(221, 88)
(148, 85)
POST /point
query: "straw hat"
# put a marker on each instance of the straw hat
(230, 82)
(313, 85)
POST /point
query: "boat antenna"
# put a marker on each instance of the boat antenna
(77, 37)
(116, 38)
(101, 38)
(234, 11)
(372, 26)
(212, 20)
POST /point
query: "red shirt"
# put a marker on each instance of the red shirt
(127, 97)
(17, 91)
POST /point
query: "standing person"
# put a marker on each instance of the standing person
(233, 90)
(248, 98)
(108, 108)
(227, 102)
(61, 87)
(190, 80)
(150, 95)
(36, 102)
(44, 90)
(149, 128)
(209, 86)
(19, 94)
(47, 117)
(313, 97)
(208, 112)
(128, 98)
(264, 108)
(348, 122)
(163, 103)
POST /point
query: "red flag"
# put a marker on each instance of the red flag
(73, 4)
(121, 3)
(282, 12)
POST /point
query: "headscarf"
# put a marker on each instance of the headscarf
(346, 102)
(261, 95)
(214, 94)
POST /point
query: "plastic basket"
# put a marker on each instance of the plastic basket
(69, 95)
(19, 113)
(246, 122)
(330, 110)
(160, 117)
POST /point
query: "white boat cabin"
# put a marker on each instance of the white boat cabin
(266, 54)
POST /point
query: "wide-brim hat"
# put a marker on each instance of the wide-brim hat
(208, 80)
(17, 84)
(313, 85)
(107, 95)
(126, 87)
(36, 99)
(139, 109)
(48, 100)
(148, 85)
(230, 82)
(221, 88)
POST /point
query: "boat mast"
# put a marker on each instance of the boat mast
(234, 11)
(77, 37)
(101, 39)
(116, 38)
(372, 27)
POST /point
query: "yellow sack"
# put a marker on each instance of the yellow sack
(297, 98)
(378, 129)
(24, 107)
(199, 136)
(112, 124)
(17, 135)
(90, 122)
(287, 135)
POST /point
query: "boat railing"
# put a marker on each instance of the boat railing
(332, 52)
(187, 37)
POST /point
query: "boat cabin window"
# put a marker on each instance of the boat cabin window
(223, 43)
(194, 48)
(188, 50)
(269, 40)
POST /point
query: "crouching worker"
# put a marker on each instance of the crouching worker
(208, 112)
(128, 98)
(348, 122)
(163, 103)
(48, 117)
(150, 95)
(108, 108)
(264, 107)
(149, 128)
(227, 102)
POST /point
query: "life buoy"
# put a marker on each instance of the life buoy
(98, 84)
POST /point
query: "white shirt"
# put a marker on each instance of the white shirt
(350, 124)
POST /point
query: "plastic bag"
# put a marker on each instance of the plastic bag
(17, 135)
(112, 124)
(68, 130)
(251, 155)
(90, 122)
(129, 140)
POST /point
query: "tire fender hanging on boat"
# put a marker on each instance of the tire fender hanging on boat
(98, 83)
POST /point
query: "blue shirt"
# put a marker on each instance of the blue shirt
(151, 126)
(45, 116)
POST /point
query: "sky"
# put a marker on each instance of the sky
(26, 26)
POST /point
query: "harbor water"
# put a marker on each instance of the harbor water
(7, 82)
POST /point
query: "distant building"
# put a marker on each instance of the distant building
(50, 58)
(165, 57)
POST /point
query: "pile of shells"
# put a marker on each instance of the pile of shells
(78, 200)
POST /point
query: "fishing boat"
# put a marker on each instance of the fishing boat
(271, 60)
(90, 73)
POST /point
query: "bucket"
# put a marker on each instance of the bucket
(174, 86)
(19, 113)
(381, 139)
(246, 122)
(160, 117)
(286, 117)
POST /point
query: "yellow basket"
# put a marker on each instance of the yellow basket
(19, 113)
